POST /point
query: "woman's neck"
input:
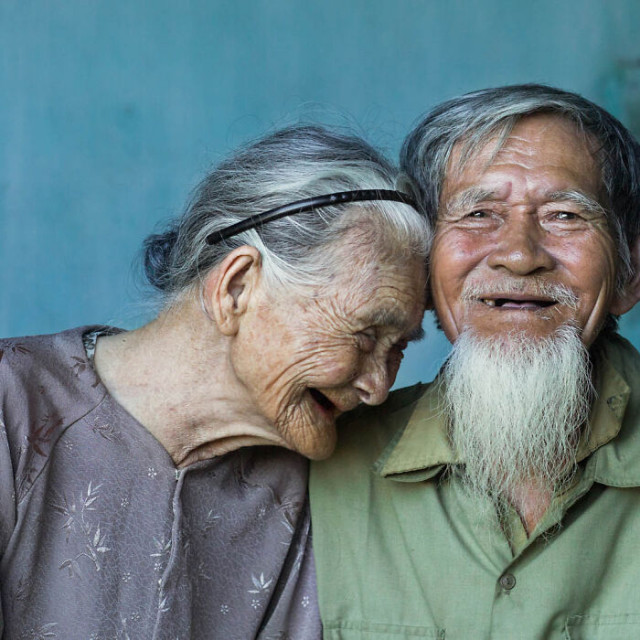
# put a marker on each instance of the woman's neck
(175, 376)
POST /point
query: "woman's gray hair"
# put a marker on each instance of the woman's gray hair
(475, 117)
(292, 164)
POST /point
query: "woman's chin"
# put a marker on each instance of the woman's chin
(319, 446)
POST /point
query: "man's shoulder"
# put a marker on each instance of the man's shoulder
(622, 355)
(398, 401)
(365, 433)
(617, 368)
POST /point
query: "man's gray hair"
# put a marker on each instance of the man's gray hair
(475, 117)
(291, 164)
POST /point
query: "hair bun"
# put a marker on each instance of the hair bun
(157, 257)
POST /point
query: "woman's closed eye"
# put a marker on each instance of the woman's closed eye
(366, 340)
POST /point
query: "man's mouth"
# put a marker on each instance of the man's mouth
(523, 304)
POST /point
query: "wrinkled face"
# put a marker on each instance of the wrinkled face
(521, 241)
(307, 359)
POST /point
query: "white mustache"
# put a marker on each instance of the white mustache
(528, 286)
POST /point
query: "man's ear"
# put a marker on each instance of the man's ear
(228, 288)
(626, 300)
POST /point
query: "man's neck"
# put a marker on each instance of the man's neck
(531, 501)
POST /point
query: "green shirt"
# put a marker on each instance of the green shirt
(398, 554)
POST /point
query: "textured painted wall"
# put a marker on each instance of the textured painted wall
(111, 111)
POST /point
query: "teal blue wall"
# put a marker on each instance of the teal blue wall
(110, 111)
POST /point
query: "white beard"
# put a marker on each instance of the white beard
(516, 406)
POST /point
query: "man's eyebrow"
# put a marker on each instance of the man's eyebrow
(468, 198)
(395, 319)
(587, 202)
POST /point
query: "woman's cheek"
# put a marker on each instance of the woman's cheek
(393, 365)
(340, 368)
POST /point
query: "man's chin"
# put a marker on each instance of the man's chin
(511, 336)
(516, 402)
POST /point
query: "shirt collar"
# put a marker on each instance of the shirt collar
(423, 449)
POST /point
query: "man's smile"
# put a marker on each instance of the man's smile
(517, 302)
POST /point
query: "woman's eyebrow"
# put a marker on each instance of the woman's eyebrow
(396, 320)
(416, 335)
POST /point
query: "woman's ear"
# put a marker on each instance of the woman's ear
(626, 300)
(228, 288)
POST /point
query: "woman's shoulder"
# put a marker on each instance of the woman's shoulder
(41, 349)
(40, 365)
(46, 382)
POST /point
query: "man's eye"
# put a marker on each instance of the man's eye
(566, 216)
(478, 214)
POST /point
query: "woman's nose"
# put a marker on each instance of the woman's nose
(373, 383)
(520, 246)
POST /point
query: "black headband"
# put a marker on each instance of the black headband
(308, 204)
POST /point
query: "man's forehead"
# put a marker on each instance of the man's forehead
(541, 142)
(482, 147)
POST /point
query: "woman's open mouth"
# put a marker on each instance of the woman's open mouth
(322, 400)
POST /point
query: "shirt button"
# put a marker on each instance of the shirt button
(507, 581)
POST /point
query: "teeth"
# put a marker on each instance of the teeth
(487, 301)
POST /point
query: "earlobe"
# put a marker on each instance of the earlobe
(627, 299)
(228, 288)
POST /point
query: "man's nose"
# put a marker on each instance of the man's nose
(373, 383)
(520, 246)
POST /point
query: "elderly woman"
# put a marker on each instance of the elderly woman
(135, 501)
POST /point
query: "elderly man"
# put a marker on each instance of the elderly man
(503, 499)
